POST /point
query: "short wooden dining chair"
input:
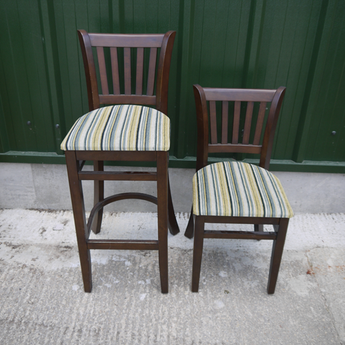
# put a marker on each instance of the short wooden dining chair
(127, 121)
(234, 191)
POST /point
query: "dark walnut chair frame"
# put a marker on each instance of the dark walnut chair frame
(139, 54)
(256, 140)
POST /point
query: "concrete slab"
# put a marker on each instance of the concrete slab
(314, 192)
(16, 185)
(42, 299)
(43, 186)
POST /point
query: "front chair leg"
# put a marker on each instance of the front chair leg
(98, 196)
(277, 252)
(85, 263)
(197, 252)
(77, 199)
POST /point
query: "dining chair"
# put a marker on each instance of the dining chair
(127, 79)
(230, 191)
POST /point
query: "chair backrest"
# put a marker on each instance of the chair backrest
(251, 115)
(109, 83)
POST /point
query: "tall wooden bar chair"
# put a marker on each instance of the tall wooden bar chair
(232, 191)
(127, 122)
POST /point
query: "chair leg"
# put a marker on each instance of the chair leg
(197, 252)
(98, 196)
(189, 233)
(79, 218)
(277, 252)
(162, 196)
(173, 226)
(258, 227)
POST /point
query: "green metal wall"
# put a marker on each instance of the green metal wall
(259, 43)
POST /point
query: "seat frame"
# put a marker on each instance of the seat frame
(75, 159)
(196, 224)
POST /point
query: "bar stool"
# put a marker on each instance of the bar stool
(127, 121)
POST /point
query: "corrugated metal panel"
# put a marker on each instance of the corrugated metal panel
(257, 43)
(25, 95)
(325, 121)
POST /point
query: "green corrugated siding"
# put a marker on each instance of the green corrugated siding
(263, 44)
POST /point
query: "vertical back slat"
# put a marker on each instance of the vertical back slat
(127, 65)
(248, 123)
(152, 71)
(225, 116)
(236, 122)
(102, 70)
(259, 123)
(140, 71)
(115, 70)
(213, 122)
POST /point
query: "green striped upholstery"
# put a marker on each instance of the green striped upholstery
(120, 128)
(240, 190)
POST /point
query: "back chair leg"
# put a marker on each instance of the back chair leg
(197, 252)
(258, 227)
(98, 196)
(162, 196)
(173, 226)
(79, 218)
(190, 226)
(277, 252)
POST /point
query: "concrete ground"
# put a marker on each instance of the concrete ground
(42, 299)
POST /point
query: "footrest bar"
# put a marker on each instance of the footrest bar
(245, 235)
(117, 197)
(118, 176)
(123, 244)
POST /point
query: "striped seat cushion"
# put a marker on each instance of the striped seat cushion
(240, 190)
(120, 128)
